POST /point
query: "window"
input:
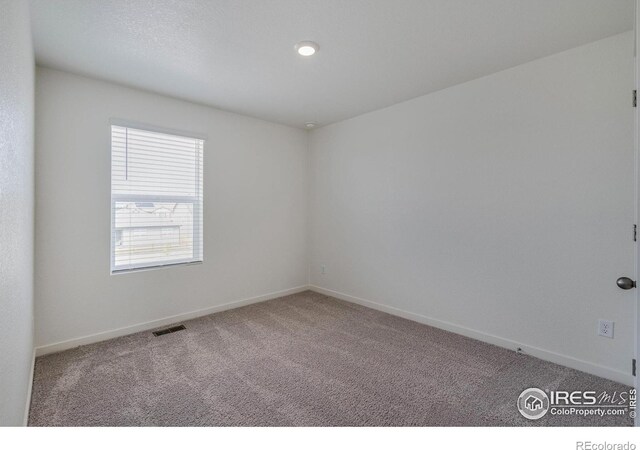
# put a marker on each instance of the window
(156, 199)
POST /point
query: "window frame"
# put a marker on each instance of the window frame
(198, 212)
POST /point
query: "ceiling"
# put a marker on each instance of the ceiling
(238, 55)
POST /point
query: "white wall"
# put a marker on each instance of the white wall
(500, 208)
(16, 210)
(255, 196)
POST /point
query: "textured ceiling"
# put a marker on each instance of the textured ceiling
(238, 55)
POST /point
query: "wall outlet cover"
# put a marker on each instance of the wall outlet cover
(605, 328)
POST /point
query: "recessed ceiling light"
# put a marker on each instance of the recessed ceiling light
(309, 125)
(307, 48)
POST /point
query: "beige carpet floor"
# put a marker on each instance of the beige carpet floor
(304, 359)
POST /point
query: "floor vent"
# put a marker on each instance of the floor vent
(169, 330)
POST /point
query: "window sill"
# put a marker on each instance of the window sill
(149, 268)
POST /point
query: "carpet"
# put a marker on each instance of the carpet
(300, 360)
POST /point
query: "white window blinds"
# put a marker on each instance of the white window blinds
(156, 199)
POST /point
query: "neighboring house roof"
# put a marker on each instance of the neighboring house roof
(144, 215)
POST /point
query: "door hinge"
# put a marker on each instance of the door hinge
(633, 367)
(635, 98)
(635, 232)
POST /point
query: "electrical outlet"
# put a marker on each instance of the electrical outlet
(605, 328)
(323, 269)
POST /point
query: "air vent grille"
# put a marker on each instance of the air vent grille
(169, 330)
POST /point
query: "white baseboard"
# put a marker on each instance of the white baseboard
(564, 360)
(27, 406)
(105, 335)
